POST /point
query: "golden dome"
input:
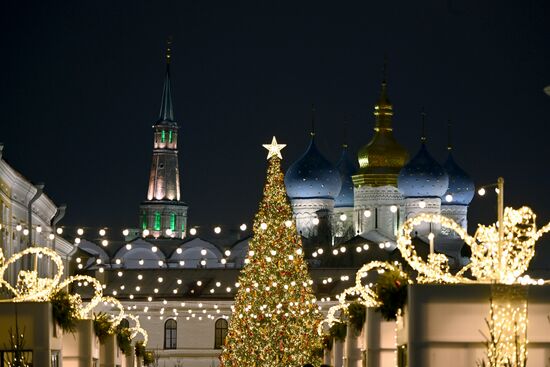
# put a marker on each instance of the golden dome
(383, 157)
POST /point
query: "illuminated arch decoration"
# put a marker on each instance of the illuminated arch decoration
(491, 261)
(30, 287)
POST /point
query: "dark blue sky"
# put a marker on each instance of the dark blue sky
(81, 87)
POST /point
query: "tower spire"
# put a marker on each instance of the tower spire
(166, 109)
(423, 136)
(449, 133)
(383, 110)
(312, 120)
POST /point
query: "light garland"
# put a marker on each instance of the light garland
(30, 287)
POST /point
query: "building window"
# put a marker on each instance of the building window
(173, 221)
(170, 136)
(220, 333)
(144, 221)
(170, 334)
(157, 221)
(163, 136)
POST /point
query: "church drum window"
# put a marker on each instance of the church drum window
(220, 333)
(157, 221)
(170, 334)
(173, 221)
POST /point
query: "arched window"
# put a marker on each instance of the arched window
(170, 334)
(220, 333)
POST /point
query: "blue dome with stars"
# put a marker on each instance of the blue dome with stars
(347, 168)
(461, 186)
(423, 176)
(312, 176)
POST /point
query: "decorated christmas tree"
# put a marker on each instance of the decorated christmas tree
(275, 314)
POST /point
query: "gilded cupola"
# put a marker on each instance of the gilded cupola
(381, 160)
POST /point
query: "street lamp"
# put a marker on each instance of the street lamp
(499, 188)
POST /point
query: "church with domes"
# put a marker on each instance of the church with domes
(334, 203)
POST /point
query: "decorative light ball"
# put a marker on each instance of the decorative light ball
(243, 227)
(393, 209)
(182, 263)
(160, 279)
(314, 254)
(199, 283)
(80, 231)
(77, 240)
(251, 253)
(104, 243)
(358, 249)
(381, 245)
(101, 270)
(102, 232)
(263, 226)
(140, 277)
(161, 263)
(179, 250)
(217, 230)
(365, 247)
(448, 198)
(315, 221)
(59, 230)
(38, 229)
(128, 246)
(125, 232)
(228, 289)
(78, 260)
(18, 227)
(367, 213)
(329, 280)
(145, 233)
(387, 244)
(168, 232)
(203, 262)
(80, 266)
(422, 204)
(299, 251)
(342, 249)
(288, 223)
(431, 236)
(343, 217)
(193, 231)
(141, 262)
(320, 251)
(26, 232)
(481, 191)
(497, 190)
(203, 252)
(335, 252)
(223, 261)
(51, 236)
(119, 273)
(154, 249)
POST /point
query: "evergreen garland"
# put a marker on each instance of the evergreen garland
(103, 327)
(338, 331)
(148, 358)
(391, 289)
(63, 311)
(140, 349)
(124, 340)
(357, 313)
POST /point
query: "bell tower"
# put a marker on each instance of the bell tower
(163, 214)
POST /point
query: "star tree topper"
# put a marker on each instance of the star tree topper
(274, 149)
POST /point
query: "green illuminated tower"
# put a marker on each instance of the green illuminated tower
(163, 214)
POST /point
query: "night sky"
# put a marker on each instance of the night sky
(81, 86)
